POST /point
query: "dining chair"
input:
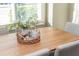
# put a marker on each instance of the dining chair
(42, 52)
(69, 49)
(72, 28)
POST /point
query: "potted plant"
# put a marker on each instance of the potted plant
(29, 24)
(25, 25)
(23, 21)
(26, 28)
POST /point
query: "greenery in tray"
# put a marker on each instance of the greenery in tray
(25, 19)
(29, 24)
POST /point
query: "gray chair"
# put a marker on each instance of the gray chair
(42, 52)
(72, 28)
(69, 49)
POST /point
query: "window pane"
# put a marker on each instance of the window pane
(26, 11)
(76, 13)
(10, 13)
(4, 14)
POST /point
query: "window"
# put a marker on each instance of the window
(50, 14)
(5, 10)
(76, 14)
(19, 11)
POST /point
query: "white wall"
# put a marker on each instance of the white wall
(61, 14)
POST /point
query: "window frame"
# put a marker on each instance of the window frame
(41, 24)
(75, 13)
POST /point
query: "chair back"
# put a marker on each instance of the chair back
(69, 49)
(72, 28)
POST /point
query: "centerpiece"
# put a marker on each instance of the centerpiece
(26, 30)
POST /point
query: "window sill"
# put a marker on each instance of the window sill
(4, 30)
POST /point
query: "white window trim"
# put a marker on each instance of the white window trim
(74, 13)
(50, 14)
(13, 11)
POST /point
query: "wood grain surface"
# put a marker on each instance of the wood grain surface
(50, 38)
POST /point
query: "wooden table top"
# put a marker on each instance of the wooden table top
(50, 38)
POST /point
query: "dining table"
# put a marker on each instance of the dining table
(50, 38)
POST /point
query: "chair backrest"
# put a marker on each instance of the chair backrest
(42, 52)
(69, 49)
(73, 28)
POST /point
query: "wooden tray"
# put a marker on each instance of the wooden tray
(23, 40)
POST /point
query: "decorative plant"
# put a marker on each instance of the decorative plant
(29, 24)
(25, 19)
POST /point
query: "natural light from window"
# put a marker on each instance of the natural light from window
(9, 12)
(76, 14)
(4, 14)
